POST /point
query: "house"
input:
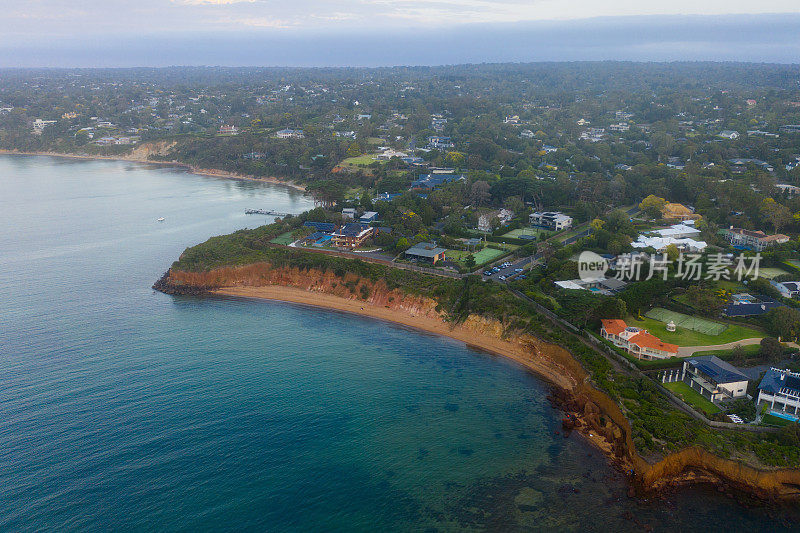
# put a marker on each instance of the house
(547, 149)
(788, 289)
(389, 153)
(744, 161)
(352, 235)
(715, 379)
(678, 234)
(780, 389)
(369, 216)
(349, 212)
(527, 134)
(485, 220)
(436, 142)
(386, 197)
(622, 126)
(426, 252)
(607, 286)
(552, 220)
(752, 240)
(327, 227)
(728, 134)
(679, 212)
(289, 134)
(431, 181)
(745, 304)
(227, 130)
(636, 341)
(593, 135)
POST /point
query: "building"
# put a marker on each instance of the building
(326, 227)
(788, 289)
(426, 252)
(289, 134)
(349, 212)
(622, 126)
(607, 286)
(369, 216)
(485, 220)
(780, 389)
(728, 134)
(677, 234)
(552, 220)
(352, 235)
(390, 153)
(752, 240)
(745, 304)
(436, 142)
(636, 341)
(431, 181)
(679, 212)
(227, 130)
(714, 379)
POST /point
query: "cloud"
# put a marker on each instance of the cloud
(211, 2)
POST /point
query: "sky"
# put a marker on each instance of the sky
(387, 32)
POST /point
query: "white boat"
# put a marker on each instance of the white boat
(161, 219)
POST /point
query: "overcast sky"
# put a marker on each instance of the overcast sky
(88, 32)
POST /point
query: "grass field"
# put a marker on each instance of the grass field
(520, 232)
(692, 397)
(484, 256)
(285, 239)
(772, 420)
(770, 272)
(750, 350)
(685, 321)
(361, 160)
(687, 337)
(794, 264)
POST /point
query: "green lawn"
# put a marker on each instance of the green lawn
(687, 337)
(361, 160)
(793, 264)
(692, 397)
(770, 272)
(285, 239)
(772, 420)
(483, 256)
(537, 232)
(750, 350)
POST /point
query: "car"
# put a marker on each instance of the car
(517, 270)
(503, 278)
(487, 272)
(496, 269)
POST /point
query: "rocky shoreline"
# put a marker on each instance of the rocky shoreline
(586, 409)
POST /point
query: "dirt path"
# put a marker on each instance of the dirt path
(686, 351)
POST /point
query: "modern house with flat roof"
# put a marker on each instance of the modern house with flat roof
(780, 389)
(746, 304)
(636, 341)
(788, 289)
(369, 216)
(552, 220)
(426, 252)
(352, 235)
(715, 379)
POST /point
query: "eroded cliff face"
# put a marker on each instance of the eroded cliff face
(587, 410)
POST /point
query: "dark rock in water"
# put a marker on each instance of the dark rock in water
(498, 436)
(452, 407)
(465, 451)
(163, 285)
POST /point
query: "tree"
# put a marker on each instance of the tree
(672, 252)
(354, 150)
(776, 214)
(480, 193)
(653, 206)
(469, 262)
(784, 322)
(704, 300)
(771, 349)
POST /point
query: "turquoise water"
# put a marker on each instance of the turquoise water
(125, 409)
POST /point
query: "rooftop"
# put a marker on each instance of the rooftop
(717, 369)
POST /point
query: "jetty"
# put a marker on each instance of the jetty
(265, 212)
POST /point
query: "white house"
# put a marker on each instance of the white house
(728, 134)
(780, 389)
(788, 289)
(715, 379)
(636, 341)
(553, 220)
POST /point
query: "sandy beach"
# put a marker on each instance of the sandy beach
(214, 173)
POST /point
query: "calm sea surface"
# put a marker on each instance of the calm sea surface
(123, 409)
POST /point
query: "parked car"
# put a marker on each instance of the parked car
(517, 270)
(503, 278)
(487, 272)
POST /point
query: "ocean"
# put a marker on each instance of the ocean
(125, 409)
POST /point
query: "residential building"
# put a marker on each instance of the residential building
(352, 235)
(607, 286)
(349, 212)
(679, 212)
(440, 143)
(780, 389)
(678, 234)
(426, 252)
(715, 379)
(636, 341)
(389, 153)
(728, 134)
(746, 304)
(229, 130)
(485, 220)
(289, 134)
(431, 181)
(788, 289)
(552, 220)
(622, 126)
(369, 216)
(752, 240)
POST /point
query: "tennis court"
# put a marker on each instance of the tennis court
(521, 233)
(481, 257)
(770, 272)
(700, 325)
